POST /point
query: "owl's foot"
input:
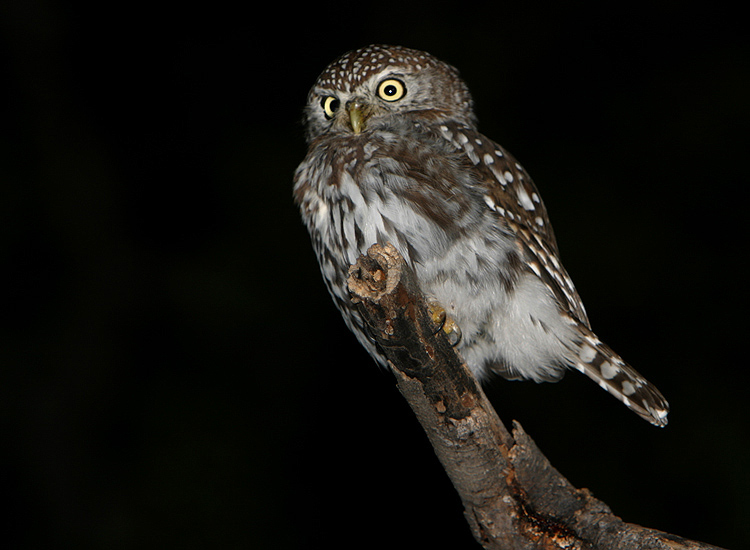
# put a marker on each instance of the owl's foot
(445, 322)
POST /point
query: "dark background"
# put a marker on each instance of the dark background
(173, 373)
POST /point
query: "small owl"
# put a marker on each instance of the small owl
(395, 157)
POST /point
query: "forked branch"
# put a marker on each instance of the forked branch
(512, 496)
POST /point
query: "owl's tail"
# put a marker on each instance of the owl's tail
(600, 363)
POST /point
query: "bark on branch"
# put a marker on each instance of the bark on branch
(513, 497)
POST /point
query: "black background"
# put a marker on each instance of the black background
(173, 373)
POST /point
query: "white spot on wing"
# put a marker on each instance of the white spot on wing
(609, 371)
(498, 175)
(593, 339)
(524, 199)
(469, 148)
(587, 354)
(322, 211)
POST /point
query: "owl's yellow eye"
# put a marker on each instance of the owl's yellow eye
(391, 89)
(330, 105)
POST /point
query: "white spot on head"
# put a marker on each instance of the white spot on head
(508, 176)
(487, 158)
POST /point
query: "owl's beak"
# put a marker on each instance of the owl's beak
(359, 112)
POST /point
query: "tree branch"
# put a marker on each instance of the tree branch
(512, 496)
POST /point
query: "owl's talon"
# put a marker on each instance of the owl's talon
(445, 323)
(437, 314)
(453, 331)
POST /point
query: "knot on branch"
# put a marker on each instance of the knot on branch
(375, 274)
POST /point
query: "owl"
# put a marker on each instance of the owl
(394, 156)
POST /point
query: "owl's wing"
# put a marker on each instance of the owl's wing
(512, 195)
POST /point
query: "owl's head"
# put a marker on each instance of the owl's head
(366, 88)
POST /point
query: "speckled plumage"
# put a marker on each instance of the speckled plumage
(395, 156)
